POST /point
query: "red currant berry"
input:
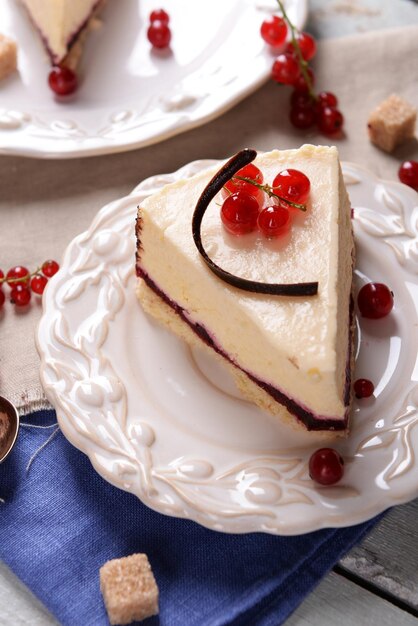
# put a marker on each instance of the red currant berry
(20, 295)
(290, 48)
(300, 83)
(375, 300)
(49, 268)
(274, 220)
(307, 45)
(62, 80)
(301, 101)
(2, 297)
(1, 274)
(292, 185)
(330, 120)
(301, 117)
(285, 69)
(408, 174)
(363, 388)
(17, 275)
(274, 31)
(239, 213)
(38, 283)
(235, 184)
(326, 466)
(327, 99)
(159, 15)
(159, 34)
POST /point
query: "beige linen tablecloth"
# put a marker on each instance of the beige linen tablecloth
(45, 203)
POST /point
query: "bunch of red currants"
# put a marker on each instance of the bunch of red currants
(291, 68)
(159, 33)
(22, 282)
(245, 209)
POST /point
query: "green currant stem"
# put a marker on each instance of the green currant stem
(269, 191)
(21, 279)
(302, 63)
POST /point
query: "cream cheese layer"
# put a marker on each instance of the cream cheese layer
(59, 22)
(297, 345)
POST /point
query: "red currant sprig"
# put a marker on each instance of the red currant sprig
(22, 282)
(242, 211)
(291, 68)
(159, 33)
(290, 187)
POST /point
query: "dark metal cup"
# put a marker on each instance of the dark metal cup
(9, 427)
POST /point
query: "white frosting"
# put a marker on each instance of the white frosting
(59, 20)
(298, 345)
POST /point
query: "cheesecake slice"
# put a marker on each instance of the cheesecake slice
(62, 24)
(290, 355)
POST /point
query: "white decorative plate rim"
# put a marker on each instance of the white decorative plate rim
(138, 475)
(130, 121)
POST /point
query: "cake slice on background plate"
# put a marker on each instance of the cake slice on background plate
(291, 355)
(8, 56)
(63, 26)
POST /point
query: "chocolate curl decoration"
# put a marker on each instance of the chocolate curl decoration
(230, 168)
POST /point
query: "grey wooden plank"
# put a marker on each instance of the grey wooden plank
(339, 602)
(336, 18)
(388, 556)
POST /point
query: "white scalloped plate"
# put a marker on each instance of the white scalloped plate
(166, 424)
(132, 96)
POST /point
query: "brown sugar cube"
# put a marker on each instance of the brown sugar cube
(8, 56)
(392, 123)
(129, 589)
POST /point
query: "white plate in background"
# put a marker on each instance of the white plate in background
(131, 95)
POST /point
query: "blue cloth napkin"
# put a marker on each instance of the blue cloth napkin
(60, 522)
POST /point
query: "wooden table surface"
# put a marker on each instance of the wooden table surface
(376, 584)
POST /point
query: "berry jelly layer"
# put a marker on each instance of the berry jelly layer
(308, 418)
